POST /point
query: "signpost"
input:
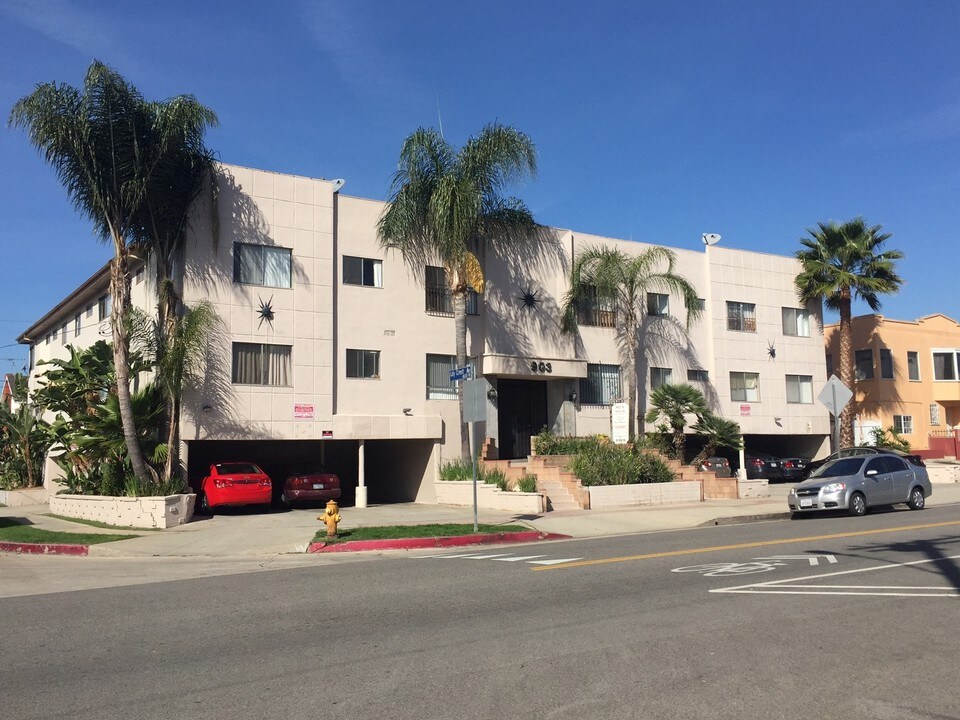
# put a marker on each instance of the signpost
(474, 410)
(460, 373)
(835, 396)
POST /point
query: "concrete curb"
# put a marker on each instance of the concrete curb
(434, 542)
(44, 549)
(738, 519)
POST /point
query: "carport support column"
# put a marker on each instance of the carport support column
(361, 480)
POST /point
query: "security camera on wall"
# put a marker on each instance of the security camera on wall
(710, 238)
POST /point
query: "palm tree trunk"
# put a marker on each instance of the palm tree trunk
(173, 438)
(631, 371)
(460, 324)
(120, 293)
(847, 374)
(167, 319)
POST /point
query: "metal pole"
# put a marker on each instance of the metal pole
(836, 418)
(473, 456)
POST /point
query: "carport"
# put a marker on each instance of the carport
(393, 471)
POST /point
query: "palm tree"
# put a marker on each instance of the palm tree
(621, 282)
(718, 432)
(841, 263)
(674, 403)
(110, 148)
(446, 204)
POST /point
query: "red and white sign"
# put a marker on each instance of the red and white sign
(744, 411)
(303, 411)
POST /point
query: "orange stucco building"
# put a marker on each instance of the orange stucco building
(907, 378)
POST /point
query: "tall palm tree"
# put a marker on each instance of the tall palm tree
(841, 263)
(621, 282)
(674, 403)
(446, 204)
(109, 147)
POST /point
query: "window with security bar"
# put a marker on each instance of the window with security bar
(601, 386)
(439, 299)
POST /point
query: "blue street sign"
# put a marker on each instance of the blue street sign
(462, 373)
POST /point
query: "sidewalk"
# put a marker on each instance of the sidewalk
(244, 533)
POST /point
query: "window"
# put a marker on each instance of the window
(745, 386)
(829, 365)
(658, 304)
(601, 386)
(595, 310)
(886, 364)
(261, 364)
(261, 265)
(864, 364)
(439, 384)
(913, 365)
(796, 322)
(945, 365)
(76, 324)
(138, 277)
(934, 414)
(742, 317)
(48, 338)
(660, 376)
(697, 376)
(63, 333)
(800, 389)
(103, 307)
(700, 304)
(903, 424)
(439, 300)
(363, 363)
(362, 271)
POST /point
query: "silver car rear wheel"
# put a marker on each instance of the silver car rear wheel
(858, 505)
(916, 501)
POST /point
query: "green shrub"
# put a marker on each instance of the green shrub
(605, 464)
(528, 483)
(546, 443)
(456, 470)
(495, 476)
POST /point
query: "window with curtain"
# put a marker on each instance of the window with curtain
(913, 365)
(944, 365)
(742, 316)
(439, 299)
(863, 364)
(104, 305)
(800, 389)
(796, 321)
(697, 375)
(660, 376)
(262, 265)
(363, 363)
(439, 384)
(262, 364)
(903, 424)
(601, 386)
(362, 271)
(745, 387)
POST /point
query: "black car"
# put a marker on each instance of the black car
(865, 450)
(795, 468)
(760, 466)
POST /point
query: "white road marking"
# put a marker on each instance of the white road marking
(813, 559)
(519, 558)
(792, 586)
(487, 557)
(554, 562)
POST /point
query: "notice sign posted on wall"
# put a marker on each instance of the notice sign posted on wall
(619, 423)
(303, 411)
(744, 411)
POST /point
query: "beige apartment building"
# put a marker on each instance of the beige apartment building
(333, 351)
(907, 378)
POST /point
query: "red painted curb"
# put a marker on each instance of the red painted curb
(44, 548)
(433, 542)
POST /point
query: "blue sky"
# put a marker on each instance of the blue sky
(656, 121)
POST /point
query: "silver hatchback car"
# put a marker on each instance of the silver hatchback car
(856, 483)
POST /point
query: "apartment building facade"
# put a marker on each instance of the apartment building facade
(907, 378)
(332, 351)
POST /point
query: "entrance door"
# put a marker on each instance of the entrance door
(522, 410)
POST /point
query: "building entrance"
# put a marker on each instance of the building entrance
(522, 410)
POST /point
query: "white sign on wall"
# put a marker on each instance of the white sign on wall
(619, 423)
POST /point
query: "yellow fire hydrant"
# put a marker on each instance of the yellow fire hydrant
(330, 518)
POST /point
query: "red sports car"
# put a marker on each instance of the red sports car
(234, 483)
(314, 486)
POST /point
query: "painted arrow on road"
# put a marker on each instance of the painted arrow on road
(813, 559)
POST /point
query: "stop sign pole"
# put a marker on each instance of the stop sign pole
(835, 396)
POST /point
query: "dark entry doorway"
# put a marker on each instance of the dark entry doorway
(522, 410)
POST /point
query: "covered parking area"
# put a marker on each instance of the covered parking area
(392, 471)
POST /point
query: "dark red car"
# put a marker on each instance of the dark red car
(310, 487)
(234, 483)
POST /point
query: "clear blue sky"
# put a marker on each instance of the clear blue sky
(656, 121)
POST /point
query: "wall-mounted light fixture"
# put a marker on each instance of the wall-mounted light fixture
(573, 397)
(492, 394)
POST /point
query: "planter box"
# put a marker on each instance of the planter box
(943, 473)
(139, 512)
(23, 496)
(620, 496)
(489, 497)
(753, 488)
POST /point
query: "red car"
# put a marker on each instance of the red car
(315, 486)
(234, 483)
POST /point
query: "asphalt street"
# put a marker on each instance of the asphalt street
(823, 617)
